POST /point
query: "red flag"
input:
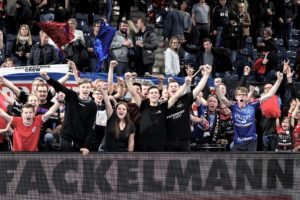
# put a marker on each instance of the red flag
(58, 32)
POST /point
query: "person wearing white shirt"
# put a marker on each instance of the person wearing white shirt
(172, 61)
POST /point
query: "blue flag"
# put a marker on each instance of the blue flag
(102, 43)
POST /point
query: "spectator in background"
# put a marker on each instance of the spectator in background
(286, 12)
(220, 19)
(218, 58)
(23, 13)
(174, 23)
(297, 19)
(269, 49)
(90, 47)
(2, 47)
(124, 9)
(172, 61)
(46, 9)
(62, 12)
(266, 12)
(201, 21)
(232, 36)
(119, 48)
(8, 62)
(245, 22)
(2, 13)
(76, 49)
(187, 19)
(43, 53)
(22, 45)
(146, 44)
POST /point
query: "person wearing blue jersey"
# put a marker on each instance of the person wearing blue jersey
(243, 114)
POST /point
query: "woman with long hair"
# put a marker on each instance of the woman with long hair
(120, 130)
(22, 45)
(172, 61)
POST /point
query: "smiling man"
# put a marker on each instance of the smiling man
(27, 127)
(243, 114)
(80, 114)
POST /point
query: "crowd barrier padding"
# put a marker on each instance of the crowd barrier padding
(187, 176)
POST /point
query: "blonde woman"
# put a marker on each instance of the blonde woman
(172, 62)
(22, 45)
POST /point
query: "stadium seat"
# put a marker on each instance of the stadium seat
(249, 43)
(10, 38)
(295, 34)
(280, 45)
(293, 44)
(82, 20)
(35, 39)
(96, 18)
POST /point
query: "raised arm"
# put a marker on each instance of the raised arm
(180, 92)
(55, 84)
(75, 71)
(7, 98)
(136, 97)
(11, 86)
(108, 107)
(110, 77)
(51, 111)
(274, 89)
(244, 79)
(296, 110)
(131, 142)
(221, 96)
(203, 81)
(121, 89)
(62, 81)
(7, 118)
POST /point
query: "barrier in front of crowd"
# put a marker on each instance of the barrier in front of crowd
(188, 176)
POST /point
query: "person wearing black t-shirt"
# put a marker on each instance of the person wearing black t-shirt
(178, 116)
(153, 129)
(120, 130)
(80, 114)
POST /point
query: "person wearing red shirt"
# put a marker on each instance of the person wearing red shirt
(27, 127)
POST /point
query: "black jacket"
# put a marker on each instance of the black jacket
(174, 24)
(50, 55)
(79, 116)
(150, 44)
(222, 60)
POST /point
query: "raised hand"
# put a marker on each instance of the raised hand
(247, 70)
(44, 75)
(113, 63)
(217, 82)
(188, 80)
(127, 76)
(279, 76)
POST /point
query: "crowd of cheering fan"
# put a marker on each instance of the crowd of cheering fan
(207, 44)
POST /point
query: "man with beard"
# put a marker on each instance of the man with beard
(119, 48)
(80, 114)
(243, 114)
